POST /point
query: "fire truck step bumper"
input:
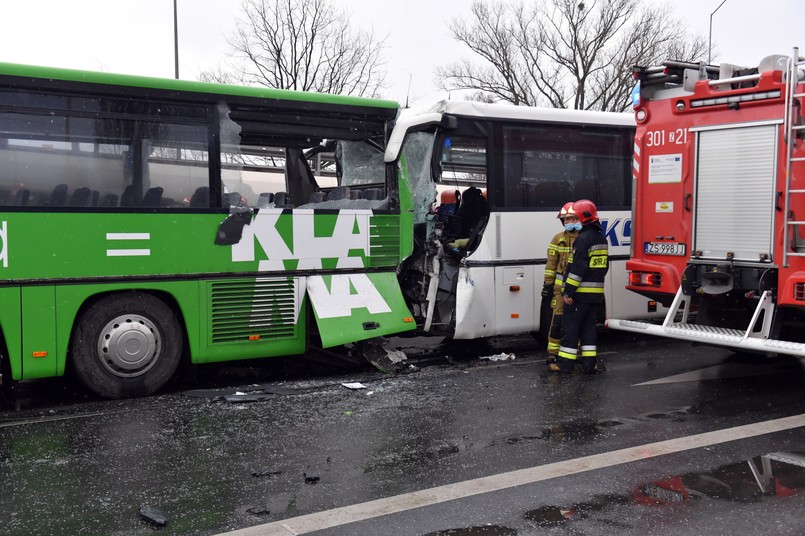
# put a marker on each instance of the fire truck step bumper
(709, 335)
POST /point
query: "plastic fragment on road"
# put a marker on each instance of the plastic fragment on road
(258, 510)
(247, 397)
(153, 515)
(498, 357)
(354, 385)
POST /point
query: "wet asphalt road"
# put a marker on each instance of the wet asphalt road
(72, 464)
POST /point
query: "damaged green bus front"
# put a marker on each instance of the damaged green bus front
(145, 221)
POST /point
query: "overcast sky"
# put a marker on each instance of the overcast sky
(136, 37)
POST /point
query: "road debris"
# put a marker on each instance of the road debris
(153, 515)
(354, 385)
(498, 357)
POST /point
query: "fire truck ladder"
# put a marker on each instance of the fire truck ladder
(792, 129)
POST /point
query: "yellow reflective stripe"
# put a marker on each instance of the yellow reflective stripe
(553, 346)
(590, 290)
(572, 282)
(567, 353)
(598, 262)
(550, 272)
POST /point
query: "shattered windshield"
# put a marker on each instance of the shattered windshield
(418, 149)
(361, 163)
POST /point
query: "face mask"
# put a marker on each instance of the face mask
(573, 227)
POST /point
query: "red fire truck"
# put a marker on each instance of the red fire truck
(718, 231)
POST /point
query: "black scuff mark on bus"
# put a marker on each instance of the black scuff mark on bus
(231, 229)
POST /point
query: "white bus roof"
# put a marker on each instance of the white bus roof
(529, 113)
(410, 118)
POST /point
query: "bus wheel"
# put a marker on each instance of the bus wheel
(126, 345)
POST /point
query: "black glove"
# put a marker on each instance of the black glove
(547, 290)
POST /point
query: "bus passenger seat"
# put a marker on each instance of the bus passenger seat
(356, 194)
(153, 197)
(94, 198)
(446, 212)
(282, 200)
(585, 189)
(562, 191)
(373, 194)
(59, 196)
(201, 197)
(265, 199)
(317, 197)
(109, 200)
(129, 197)
(339, 192)
(80, 198)
(232, 199)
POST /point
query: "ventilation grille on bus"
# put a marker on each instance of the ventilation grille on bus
(245, 311)
(384, 241)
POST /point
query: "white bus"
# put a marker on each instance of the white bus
(469, 281)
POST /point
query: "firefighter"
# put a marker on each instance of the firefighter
(583, 292)
(558, 253)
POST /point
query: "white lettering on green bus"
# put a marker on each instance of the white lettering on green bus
(350, 234)
(4, 250)
(339, 300)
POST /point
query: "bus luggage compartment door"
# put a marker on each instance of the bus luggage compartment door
(514, 299)
(355, 307)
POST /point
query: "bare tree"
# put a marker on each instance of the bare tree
(304, 45)
(564, 53)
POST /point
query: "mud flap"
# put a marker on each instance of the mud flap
(356, 307)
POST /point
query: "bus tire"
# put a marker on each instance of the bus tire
(126, 345)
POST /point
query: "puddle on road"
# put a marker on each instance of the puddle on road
(779, 474)
(485, 530)
(583, 431)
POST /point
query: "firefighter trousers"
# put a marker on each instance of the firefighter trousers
(555, 329)
(578, 335)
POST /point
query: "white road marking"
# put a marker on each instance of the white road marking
(427, 497)
(729, 370)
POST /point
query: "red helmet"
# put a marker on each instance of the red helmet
(566, 209)
(586, 211)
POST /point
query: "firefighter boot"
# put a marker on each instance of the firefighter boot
(562, 366)
(588, 365)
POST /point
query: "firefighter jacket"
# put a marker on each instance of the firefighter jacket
(587, 266)
(558, 254)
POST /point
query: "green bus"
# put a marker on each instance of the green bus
(145, 221)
